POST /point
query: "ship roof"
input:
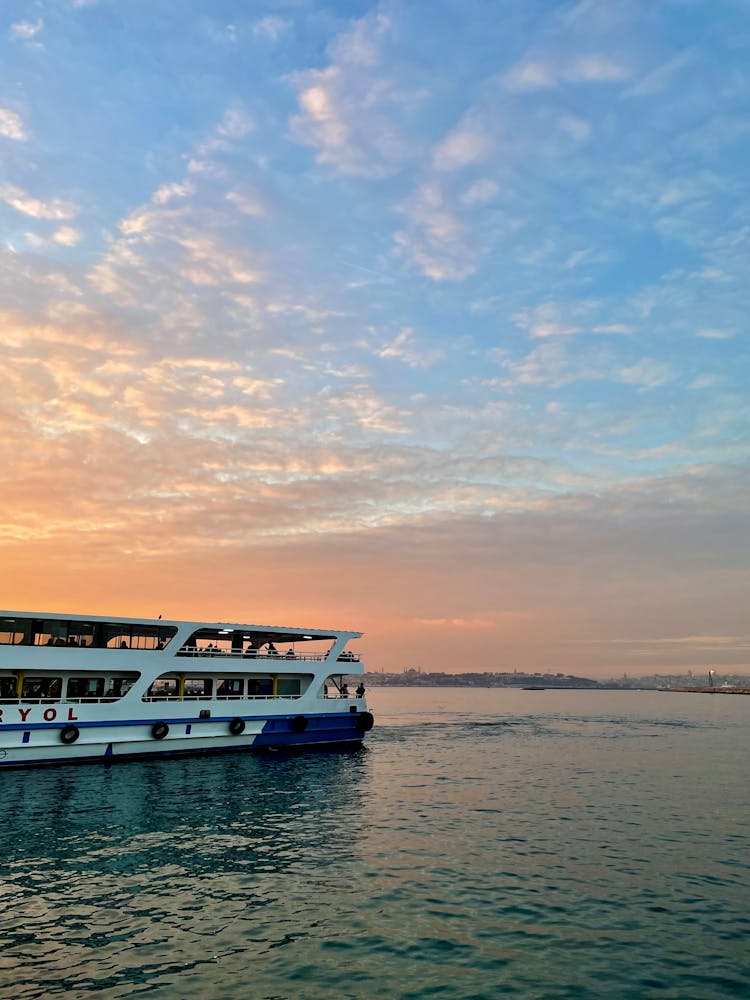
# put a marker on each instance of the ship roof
(270, 631)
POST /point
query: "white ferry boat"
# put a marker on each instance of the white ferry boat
(84, 689)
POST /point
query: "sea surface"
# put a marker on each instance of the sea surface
(485, 843)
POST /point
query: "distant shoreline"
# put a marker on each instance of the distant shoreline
(734, 684)
(566, 687)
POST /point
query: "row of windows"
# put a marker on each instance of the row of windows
(93, 688)
(71, 688)
(224, 687)
(99, 635)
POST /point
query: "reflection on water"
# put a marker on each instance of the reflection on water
(485, 844)
(143, 872)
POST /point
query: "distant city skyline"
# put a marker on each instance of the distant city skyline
(424, 320)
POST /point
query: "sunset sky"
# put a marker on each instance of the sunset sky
(428, 320)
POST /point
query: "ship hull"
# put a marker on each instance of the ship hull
(36, 745)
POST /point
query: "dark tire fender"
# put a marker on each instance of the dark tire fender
(365, 722)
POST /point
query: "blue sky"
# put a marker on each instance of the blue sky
(341, 275)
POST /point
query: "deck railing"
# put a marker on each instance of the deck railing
(235, 697)
(238, 654)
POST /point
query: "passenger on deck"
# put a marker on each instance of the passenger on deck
(344, 690)
(272, 650)
(360, 690)
(123, 645)
(290, 653)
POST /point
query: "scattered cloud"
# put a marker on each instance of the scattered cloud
(168, 192)
(547, 364)
(481, 192)
(714, 333)
(704, 382)
(271, 28)
(437, 240)
(66, 236)
(613, 328)
(235, 124)
(404, 348)
(55, 208)
(245, 203)
(648, 373)
(26, 29)
(456, 622)
(349, 111)
(11, 125)
(545, 321)
(545, 72)
(467, 144)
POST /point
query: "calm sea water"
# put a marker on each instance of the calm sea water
(485, 844)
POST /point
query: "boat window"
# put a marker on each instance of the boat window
(41, 687)
(85, 687)
(119, 686)
(163, 687)
(116, 636)
(147, 637)
(49, 633)
(259, 687)
(198, 687)
(8, 687)
(288, 687)
(231, 687)
(12, 631)
(121, 636)
(80, 633)
(104, 687)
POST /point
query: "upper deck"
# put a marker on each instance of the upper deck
(27, 639)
